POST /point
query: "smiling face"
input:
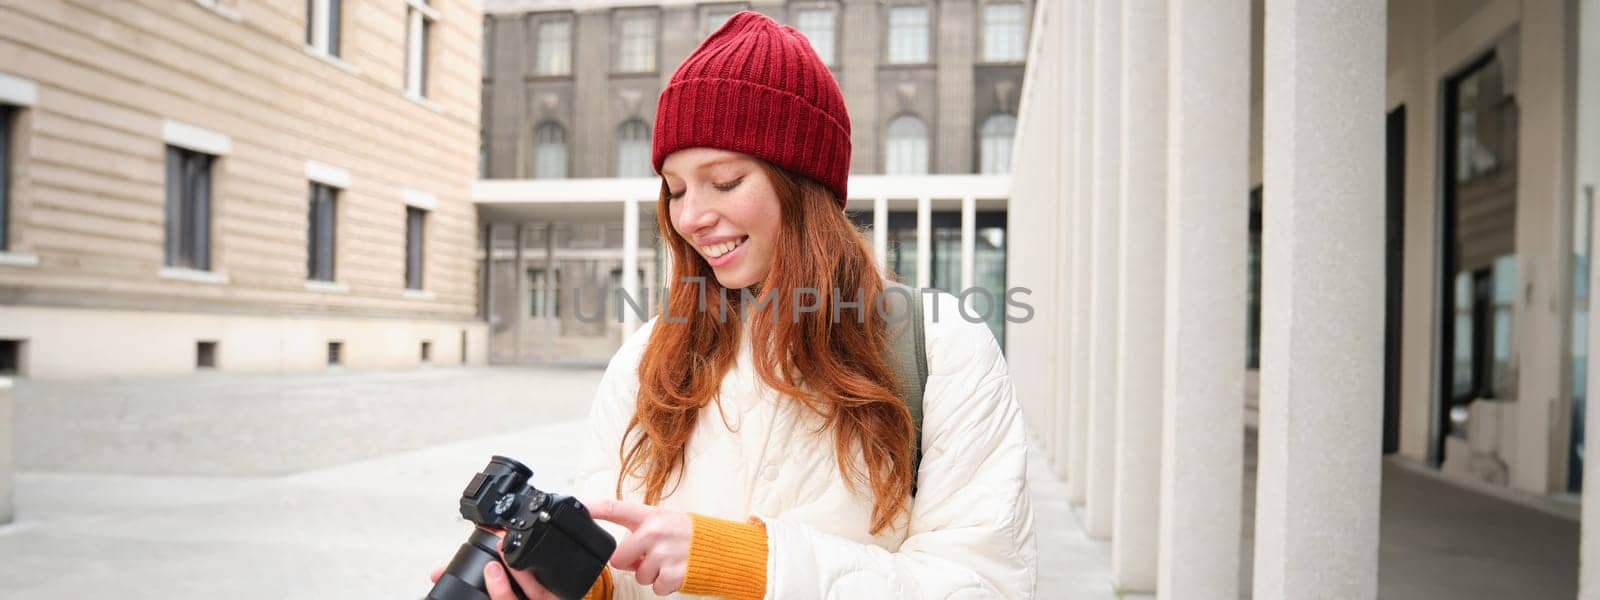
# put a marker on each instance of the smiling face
(724, 205)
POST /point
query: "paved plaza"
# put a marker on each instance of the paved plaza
(307, 486)
(344, 485)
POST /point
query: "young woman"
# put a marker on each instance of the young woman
(764, 451)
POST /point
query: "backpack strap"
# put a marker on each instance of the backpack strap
(908, 345)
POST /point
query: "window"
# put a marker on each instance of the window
(549, 152)
(817, 25)
(633, 150)
(335, 354)
(994, 150)
(7, 116)
(901, 232)
(619, 300)
(554, 50)
(544, 296)
(1005, 36)
(419, 20)
(427, 351)
(322, 25)
(906, 151)
(416, 218)
(188, 209)
(488, 47)
(1252, 321)
(205, 355)
(715, 16)
(636, 44)
(908, 35)
(11, 352)
(989, 266)
(320, 232)
(863, 222)
(1582, 251)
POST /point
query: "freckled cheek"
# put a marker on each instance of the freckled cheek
(672, 221)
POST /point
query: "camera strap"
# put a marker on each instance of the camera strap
(909, 358)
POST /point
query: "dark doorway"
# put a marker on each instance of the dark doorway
(1582, 251)
(1478, 250)
(1394, 275)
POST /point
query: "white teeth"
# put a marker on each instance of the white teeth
(720, 249)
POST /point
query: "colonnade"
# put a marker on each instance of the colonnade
(1134, 148)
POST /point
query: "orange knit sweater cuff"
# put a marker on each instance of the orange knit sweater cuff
(727, 559)
(601, 590)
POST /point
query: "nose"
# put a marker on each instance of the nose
(694, 213)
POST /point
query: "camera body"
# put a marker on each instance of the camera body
(549, 534)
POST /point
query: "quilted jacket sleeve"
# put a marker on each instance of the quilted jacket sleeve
(971, 529)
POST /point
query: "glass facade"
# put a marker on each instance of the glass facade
(989, 258)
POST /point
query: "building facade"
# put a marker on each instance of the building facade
(569, 92)
(250, 185)
(1417, 181)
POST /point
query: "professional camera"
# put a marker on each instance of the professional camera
(549, 534)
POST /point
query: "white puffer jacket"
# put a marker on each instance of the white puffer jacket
(970, 533)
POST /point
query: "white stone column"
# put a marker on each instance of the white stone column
(924, 242)
(1082, 199)
(1322, 300)
(1100, 502)
(1588, 189)
(630, 265)
(1202, 437)
(969, 242)
(486, 286)
(1542, 239)
(518, 315)
(1064, 202)
(548, 328)
(1142, 273)
(880, 231)
(8, 465)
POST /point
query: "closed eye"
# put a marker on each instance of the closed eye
(730, 185)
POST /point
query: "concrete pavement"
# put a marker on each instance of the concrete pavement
(344, 485)
(312, 486)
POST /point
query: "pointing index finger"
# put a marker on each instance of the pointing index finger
(626, 514)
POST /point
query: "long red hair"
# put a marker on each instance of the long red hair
(836, 368)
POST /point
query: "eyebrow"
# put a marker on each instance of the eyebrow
(703, 166)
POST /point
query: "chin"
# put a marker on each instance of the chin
(734, 281)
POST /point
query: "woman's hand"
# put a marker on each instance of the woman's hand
(657, 550)
(499, 588)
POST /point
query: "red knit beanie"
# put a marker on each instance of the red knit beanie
(756, 87)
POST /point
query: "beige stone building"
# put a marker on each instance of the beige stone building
(245, 185)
